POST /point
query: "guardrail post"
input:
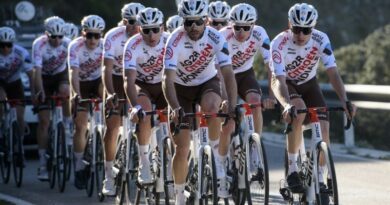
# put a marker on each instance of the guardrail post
(349, 135)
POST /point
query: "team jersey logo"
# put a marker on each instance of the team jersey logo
(276, 57)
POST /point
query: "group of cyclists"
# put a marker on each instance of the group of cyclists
(205, 58)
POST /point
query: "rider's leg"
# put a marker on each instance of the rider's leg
(64, 90)
(180, 163)
(143, 136)
(79, 139)
(253, 97)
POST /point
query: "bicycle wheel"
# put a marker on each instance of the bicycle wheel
(328, 190)
(69, 156)
(240, 173)
(62, 161)
(90, 168)
(167, 169)
(51, 163)
(5, 160)
(258, 175)
(99, 167)
(208, 183)
(17, 163)
(132, 175)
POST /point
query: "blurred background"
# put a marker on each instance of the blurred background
(358, 29)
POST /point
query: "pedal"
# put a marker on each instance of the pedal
(286, 193)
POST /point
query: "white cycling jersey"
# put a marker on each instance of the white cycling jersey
(243, 53)
(87, 61)
(193, 60)
(300, 63)
(148, 61)
(114, 41)
(14, 63)
(51, 60)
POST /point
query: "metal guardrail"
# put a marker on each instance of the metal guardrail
(363, 96)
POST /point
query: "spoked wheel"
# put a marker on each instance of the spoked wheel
(152, 197)
(69, 156)
(241, 195)
(167, 169)
(90, 168)
(327, 179)
(62, 160)
(208, 184)
(5, 158)
(258, 175)
(132, 176)
(51, 163)
(99, 167)
(18, 161)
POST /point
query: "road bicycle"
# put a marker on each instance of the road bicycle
(320, 183)
(93, 152)
(248, 167)
(11, 143)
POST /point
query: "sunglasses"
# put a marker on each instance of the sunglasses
(6, 44)
(56, 36)
(93, 35)
(216, 23)
(296, 30)
(131, 21)
(147, 30)
(188, 23)
(245, 28)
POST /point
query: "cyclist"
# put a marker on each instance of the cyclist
(71, 31)
(85, 59)
(191, 77)
(142, 78)
(114, 42)
(295, 56)
(174, 22)
(51, 75)
(218, 14)
(14, 59)
(245, 40)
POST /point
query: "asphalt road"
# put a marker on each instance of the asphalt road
(360, 181)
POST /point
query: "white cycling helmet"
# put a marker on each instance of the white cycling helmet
(219, 10)
(71, 30)
(55, 25)
(93, 23)
(174, 22)
(303, 15)
(243, 13)
(193, 8)
(150, 17)
(7, 34)
(131, 10)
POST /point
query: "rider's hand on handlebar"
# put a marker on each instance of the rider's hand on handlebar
(289, 113)
(136, 113)
(269, 103)
(350, 109)
(39, 97)
(176, 114)
(224, 106)
(111, 101)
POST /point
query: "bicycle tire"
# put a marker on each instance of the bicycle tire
(132, 175)
(68, 171)
(330, 180)
(259, 180)
(208, 186)
(167, 165)
(99, 167)
(5, 164)
(51, 164)
(62, 161)
(17, 158)
(89, 169)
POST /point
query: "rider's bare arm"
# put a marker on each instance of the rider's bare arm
(74, 80)
(337, 83)
(129, 83)
(230, 84)
(30, 75)
(280, 90)
(108, 64)
(168, 87)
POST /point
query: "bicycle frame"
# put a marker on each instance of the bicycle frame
(55, 118)
(10, 116)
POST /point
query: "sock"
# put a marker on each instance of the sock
(179, 191)
(321, 172)
(42, 157)
(143, 151)
(292, 163)
(108, 169)
(214, 144)
(79, 165)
